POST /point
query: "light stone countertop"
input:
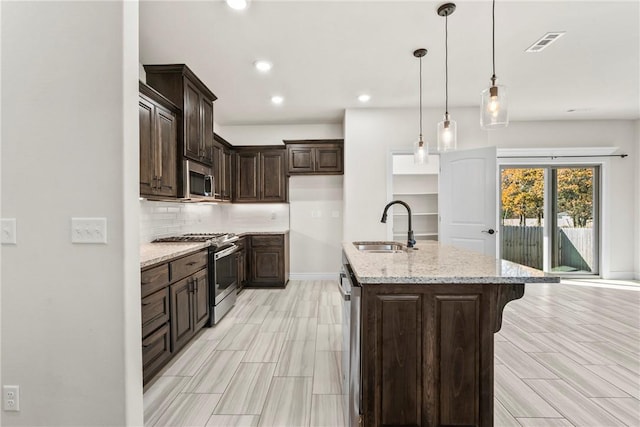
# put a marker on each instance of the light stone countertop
(154, 253)
(434, 263)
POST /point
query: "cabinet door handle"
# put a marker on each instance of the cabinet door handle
(195, 285)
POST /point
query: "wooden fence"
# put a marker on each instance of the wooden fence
(524, 245)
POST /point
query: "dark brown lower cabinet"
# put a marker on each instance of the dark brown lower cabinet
(189, 308)
(269, 260)
(427, 353)
(175, 305)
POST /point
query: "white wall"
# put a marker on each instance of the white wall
(618, 192)
(69, 149)
(316, 226)
(274, 134)
(370, 135)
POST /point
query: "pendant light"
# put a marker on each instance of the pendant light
(420, 148)
(493, 110)
(447, 129)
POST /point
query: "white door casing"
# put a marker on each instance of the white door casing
(468, 201)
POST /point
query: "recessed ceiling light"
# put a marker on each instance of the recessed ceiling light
(545, 41)
(263, 66)
(277, 99)
(238, 4)
(364, 97)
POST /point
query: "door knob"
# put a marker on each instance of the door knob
(489, 231)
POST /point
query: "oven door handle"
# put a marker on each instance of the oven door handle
(225, 252)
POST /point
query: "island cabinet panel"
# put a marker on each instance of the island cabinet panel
(458, 317)
(400, 344)
(427, 355)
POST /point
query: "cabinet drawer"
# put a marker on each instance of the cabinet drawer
(155, 311)
(156, 351)
(267, 240)
(154, 278)
(188, 265)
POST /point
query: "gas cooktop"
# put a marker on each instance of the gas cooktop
(214, 238)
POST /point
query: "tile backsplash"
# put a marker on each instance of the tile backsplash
(161, 219)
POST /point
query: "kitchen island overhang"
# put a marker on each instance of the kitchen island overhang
(427, 319)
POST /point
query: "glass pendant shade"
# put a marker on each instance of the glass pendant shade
(494, 113)
(420, 151)
(447, 135)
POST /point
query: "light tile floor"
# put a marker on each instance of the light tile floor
(567, 355)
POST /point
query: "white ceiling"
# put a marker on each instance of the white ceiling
(325, 53)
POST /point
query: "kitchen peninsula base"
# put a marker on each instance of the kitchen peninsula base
(428, 353)
(421, 332)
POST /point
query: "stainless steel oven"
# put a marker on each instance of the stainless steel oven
(223, 280)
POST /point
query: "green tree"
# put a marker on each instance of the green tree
(575, 194)
(522, 194)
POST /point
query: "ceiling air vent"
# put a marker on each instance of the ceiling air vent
(545, 41)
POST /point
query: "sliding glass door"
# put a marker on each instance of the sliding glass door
(574, 240)
(549, 217)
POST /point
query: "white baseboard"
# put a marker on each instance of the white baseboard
(314, 276)
(620, 275)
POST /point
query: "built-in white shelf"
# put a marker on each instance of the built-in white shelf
(416, 185)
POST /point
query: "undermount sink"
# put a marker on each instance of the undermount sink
(380, 247)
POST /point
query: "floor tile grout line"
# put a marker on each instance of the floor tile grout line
(605, 409)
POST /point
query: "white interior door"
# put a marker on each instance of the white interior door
(467, 198)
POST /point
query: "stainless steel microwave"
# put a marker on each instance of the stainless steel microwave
(198, 182)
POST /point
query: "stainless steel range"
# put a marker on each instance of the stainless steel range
(222, 269)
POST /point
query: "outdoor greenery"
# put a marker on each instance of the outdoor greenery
(523, 194)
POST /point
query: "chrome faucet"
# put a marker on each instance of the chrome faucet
(410, 240)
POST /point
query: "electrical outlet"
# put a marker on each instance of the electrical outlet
(88, 230)
(11, 397)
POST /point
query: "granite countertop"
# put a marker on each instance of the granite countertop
(438, 264)
(154, 253)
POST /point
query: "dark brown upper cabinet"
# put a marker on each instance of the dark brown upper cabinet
(182, 87)
(315, 157)
(260, 175)
(158, 144)
(222, 164)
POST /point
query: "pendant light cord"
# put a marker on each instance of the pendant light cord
(493, 39)
(420, 98)
(446, 65)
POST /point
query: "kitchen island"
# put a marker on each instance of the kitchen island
(422, 325)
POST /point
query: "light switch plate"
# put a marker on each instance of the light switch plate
(89, 230)
(9, 231)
